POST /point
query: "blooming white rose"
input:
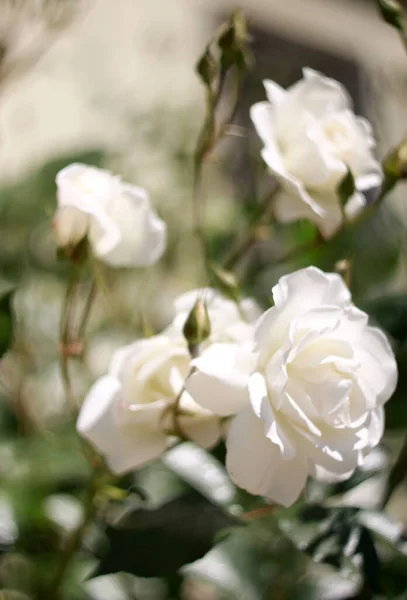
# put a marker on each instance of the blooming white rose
(129, 413)
(122, 228)
(320, 376)
(311, 137)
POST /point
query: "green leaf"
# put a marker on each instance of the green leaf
(328, 535)
(370, 560)
(234, 44)
(157, 542)
(6, 317)
(390, 312)
(207, 67)
(392, 13)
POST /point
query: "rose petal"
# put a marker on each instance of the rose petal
(220, 382)
(257, 466)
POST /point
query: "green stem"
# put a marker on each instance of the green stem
(250, 238)
(209, 137)
(176, 409)
(65, 338)
(87, 311)
(74, 542)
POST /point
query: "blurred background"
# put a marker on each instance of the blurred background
(113, 84)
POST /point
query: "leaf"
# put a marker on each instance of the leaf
(234, 44)
(346, 187)
(207, 68)
(157, 542)
(6, 317)
(392, 13)
(390, 312)
(396, 407)
(203, 472)
(328, 535)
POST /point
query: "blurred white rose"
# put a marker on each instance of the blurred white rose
(311, 137)
(122, 227)
(320, 376)
(129, 413)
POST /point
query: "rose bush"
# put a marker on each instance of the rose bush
(117, 218)
(311, 137)
(319, 377)
(129, 413)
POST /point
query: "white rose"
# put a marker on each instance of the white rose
(320, 376)
(129, 413)
(122, 228)
(311, 137)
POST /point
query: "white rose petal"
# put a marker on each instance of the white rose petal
(257, 466)
(311, 137)
(220, 382)
(128, 414)
(124, 447)
(122, 228)
(320, 376)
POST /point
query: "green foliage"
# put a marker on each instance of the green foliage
(392, 13)
(346, 187)
(207, 68)
(157, 542)
(349, 539)
(390, 313)
(234, 44)
(6, 318)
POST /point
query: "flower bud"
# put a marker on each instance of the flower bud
(197, 327)
(70, 226)
(392, 13)
(395, 166)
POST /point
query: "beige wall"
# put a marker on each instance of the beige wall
(128, 56)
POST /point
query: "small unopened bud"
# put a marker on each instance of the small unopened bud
(197, 327)
(395, 166)
(70, 227)
(344, 268)
(226, 282)
(392, 13)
